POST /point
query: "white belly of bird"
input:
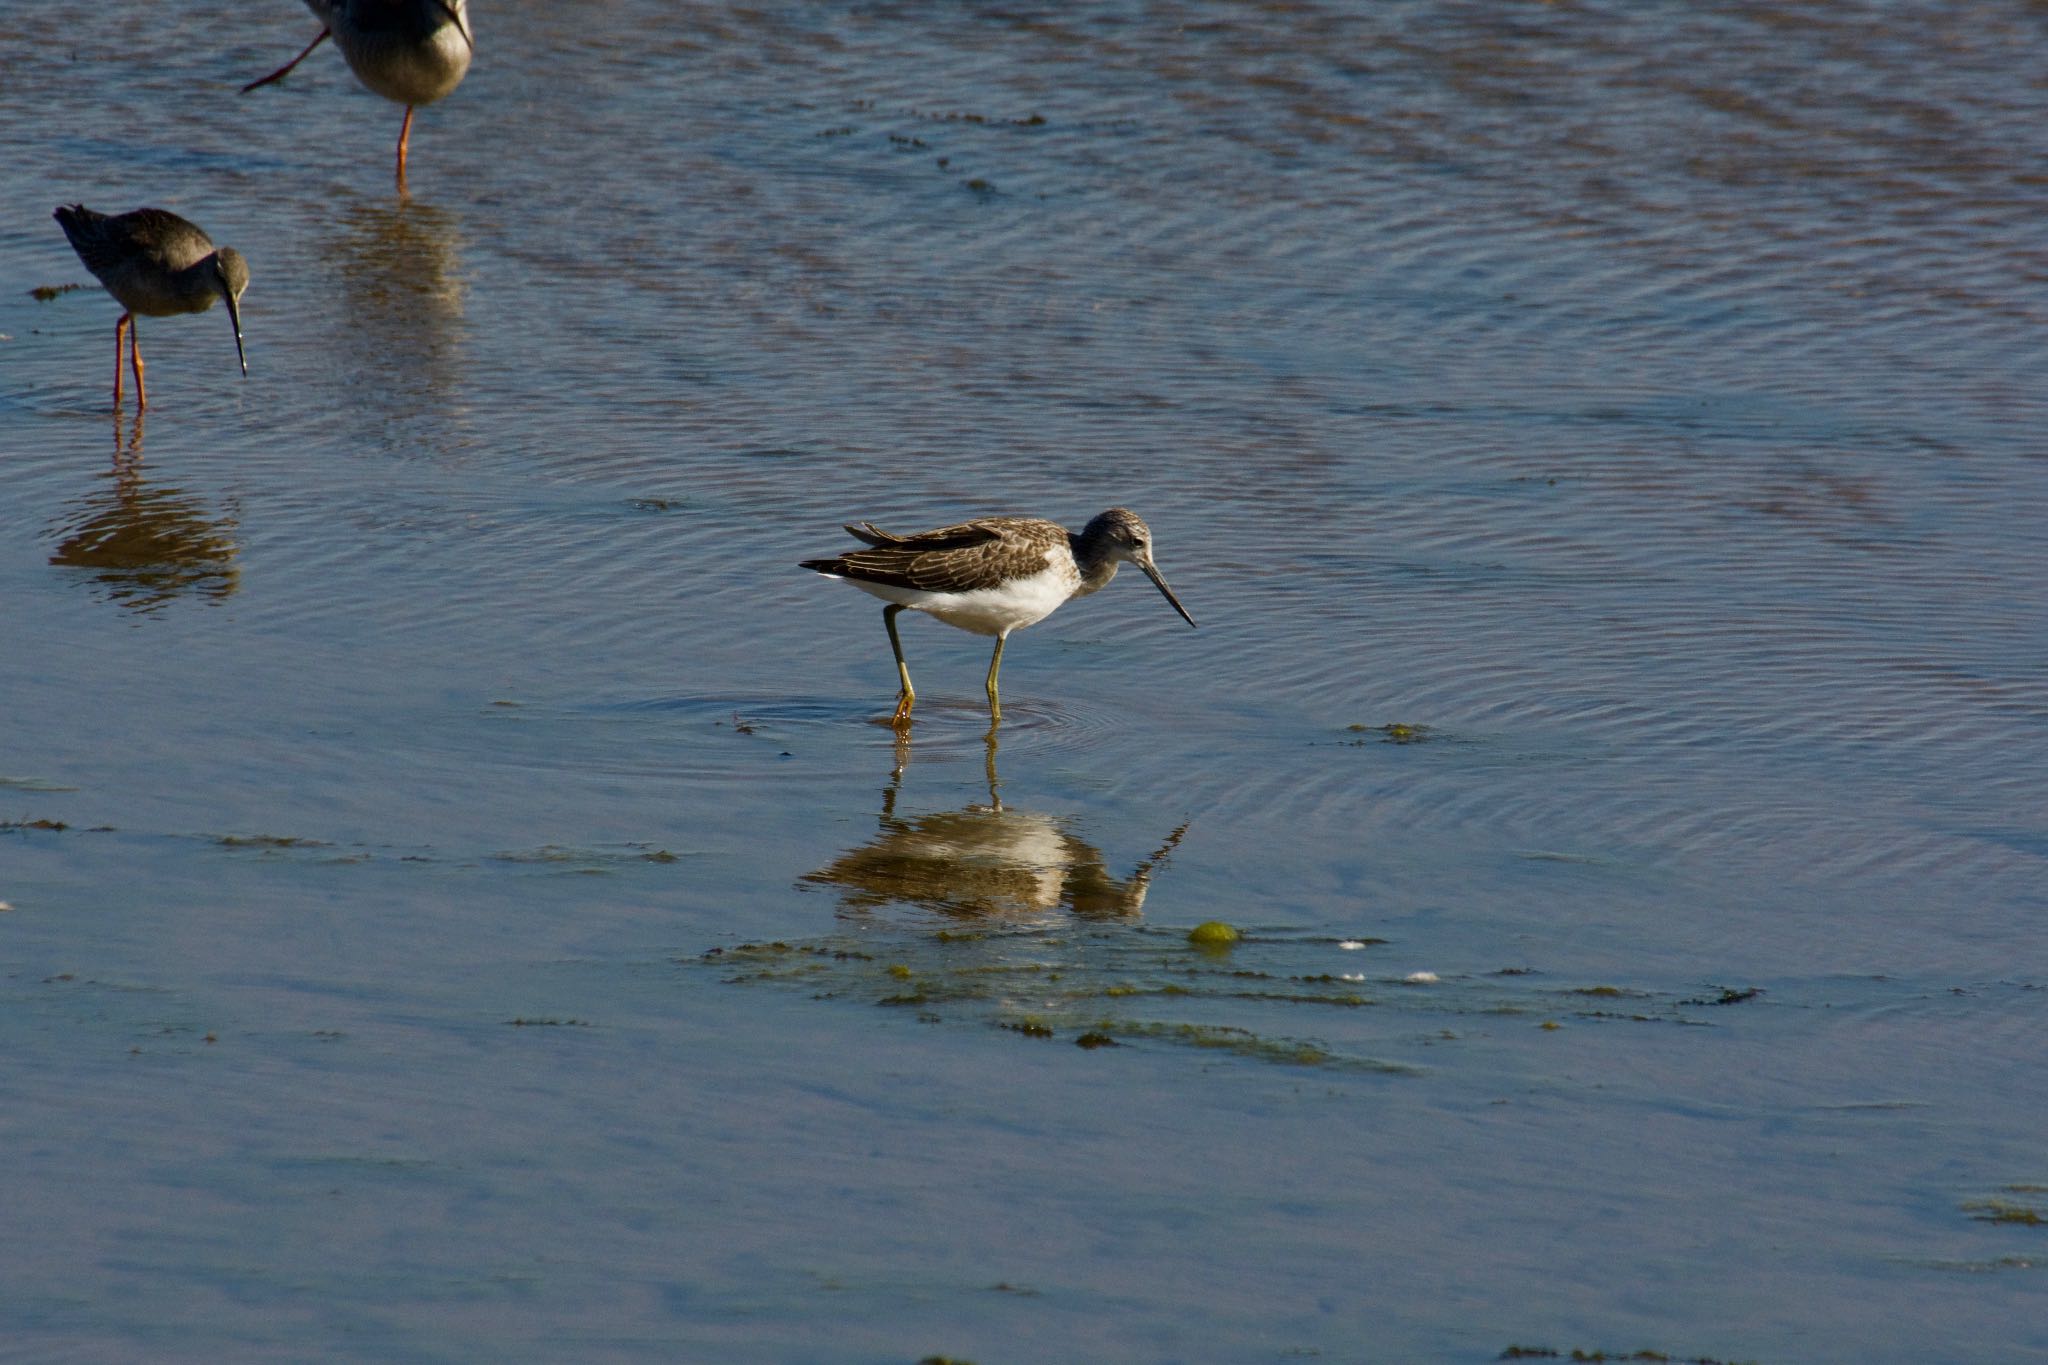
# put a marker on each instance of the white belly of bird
(988, 611)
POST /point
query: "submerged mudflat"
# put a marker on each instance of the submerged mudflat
(459, 898)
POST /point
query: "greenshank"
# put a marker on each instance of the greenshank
(990, 576)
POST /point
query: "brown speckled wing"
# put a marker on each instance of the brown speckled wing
(964, 536)
(973, 554)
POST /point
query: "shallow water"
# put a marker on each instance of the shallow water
(489, 918)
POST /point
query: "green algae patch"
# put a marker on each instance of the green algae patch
(33, 784)
(2000, 1211)
(1346, 999)
(1394, 732)
(1728, 996)
(1214, 934)
(778, 961)
(1580, 1354)
(588, 861)
(961, 116)
(1268, 1000)
(1243, 1042)
(1125, 990)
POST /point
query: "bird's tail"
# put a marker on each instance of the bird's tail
(77, 221)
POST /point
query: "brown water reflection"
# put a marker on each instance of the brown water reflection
(402, 293)
(985, 860)
(147, 546)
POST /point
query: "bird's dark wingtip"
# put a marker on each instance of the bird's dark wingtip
(869, 534)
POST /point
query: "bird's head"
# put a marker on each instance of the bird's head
(1123, 535)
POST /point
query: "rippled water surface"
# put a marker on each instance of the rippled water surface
(462, 901)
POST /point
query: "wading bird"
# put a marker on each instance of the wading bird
(155, 264)
(411, 52)
(991, 576)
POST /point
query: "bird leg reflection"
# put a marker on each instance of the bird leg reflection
(995, 802)
(127, 452)
(902, 761)
(285, 70)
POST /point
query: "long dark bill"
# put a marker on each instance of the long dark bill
(235, 317)
(1160, 583)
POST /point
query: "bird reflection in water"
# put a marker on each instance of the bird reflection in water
(984, 861)
(144, 546)
(398, 328)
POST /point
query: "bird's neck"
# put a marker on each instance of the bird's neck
(1095, 563)
(198, 275)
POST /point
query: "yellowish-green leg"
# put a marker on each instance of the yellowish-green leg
(907, 695)
(995, 705)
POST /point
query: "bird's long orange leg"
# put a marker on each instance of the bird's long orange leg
(120, 331)
(135, 354)
(404, 133)
(285, 70)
